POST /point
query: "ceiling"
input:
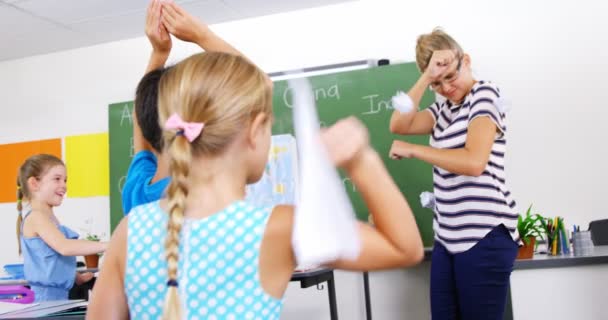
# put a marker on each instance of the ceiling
(31, 27)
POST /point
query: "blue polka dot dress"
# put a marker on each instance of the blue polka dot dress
(217, 270)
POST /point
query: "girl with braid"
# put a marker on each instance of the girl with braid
(203, 252)
(49, 249)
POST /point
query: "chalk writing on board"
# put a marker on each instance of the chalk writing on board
(131, 148)
(376, 105)
(330, 92)
(127, 115)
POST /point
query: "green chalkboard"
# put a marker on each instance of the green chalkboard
(121, 153)
(363, 93)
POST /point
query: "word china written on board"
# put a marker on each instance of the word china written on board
(373, 102)
(331, 92)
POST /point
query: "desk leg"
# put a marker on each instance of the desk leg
(331, 291)
(368, 304)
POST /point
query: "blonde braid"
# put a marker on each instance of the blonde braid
(177, 192)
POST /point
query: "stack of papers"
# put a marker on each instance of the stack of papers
(34, 310)
(6, 307)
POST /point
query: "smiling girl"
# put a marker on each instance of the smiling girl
(49, 248)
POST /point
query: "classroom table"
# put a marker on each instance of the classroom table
(559, 287)
(315, 277)
(540, 261)
(428, 251)
(306, 278)
(539, 265)
(23, 282)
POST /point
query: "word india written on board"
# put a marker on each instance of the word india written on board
(377, 105)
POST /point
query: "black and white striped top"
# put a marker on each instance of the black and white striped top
(466, 207)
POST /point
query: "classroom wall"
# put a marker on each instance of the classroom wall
(547, 57)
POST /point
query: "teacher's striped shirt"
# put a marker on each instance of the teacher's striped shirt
(467, 208)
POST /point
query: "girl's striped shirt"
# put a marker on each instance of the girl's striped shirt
(466, 207)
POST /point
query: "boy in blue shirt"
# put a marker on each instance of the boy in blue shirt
(147, 177)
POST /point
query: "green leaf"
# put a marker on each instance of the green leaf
(532, 225)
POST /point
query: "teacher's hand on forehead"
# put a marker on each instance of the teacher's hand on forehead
(440, 63)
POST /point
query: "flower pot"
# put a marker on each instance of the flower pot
(527, 250)
(91, 260)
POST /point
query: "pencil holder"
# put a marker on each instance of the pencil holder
(582, 244)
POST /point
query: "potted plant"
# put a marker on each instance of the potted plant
(529, 227)
(92, 260)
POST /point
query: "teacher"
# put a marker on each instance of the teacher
(475, 219)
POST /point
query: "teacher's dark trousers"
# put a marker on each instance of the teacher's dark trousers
(472, 285)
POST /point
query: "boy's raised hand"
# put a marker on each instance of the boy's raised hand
(155, 30)
(181, 24)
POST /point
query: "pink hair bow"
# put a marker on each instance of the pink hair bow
(190, 130)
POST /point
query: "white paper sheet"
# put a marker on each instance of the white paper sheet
(6, 307)
(325, 227)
